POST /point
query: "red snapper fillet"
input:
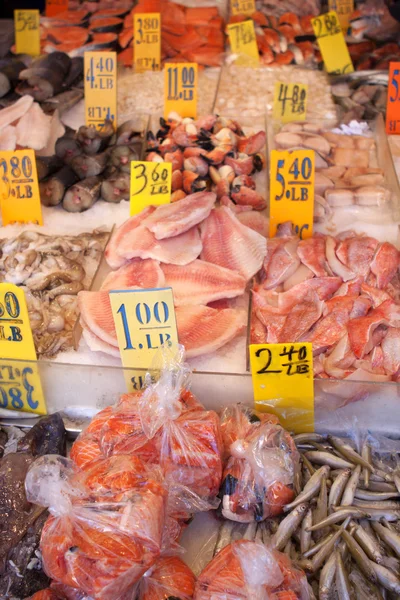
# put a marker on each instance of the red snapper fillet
(201, 282)
(202, 329)
(96, 314)
(136, 274)
(114, 260)
(228, 243)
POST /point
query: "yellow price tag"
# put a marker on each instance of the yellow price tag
(344, 9)
(147, 41)
(292, 190)
(243, 7)
(150, 184)
(242, 39)
(54, 7)
(180, 89)
(283, 383)
(332, 44)
(20, 385)
(290, 102)
(19, 189)
(27, 33)
(100, 88)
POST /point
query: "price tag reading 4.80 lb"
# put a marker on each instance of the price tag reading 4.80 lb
(343, 9)
(243, 7)
(290, 102)
(292, 191)
(393, 99)
(332, 44)
(147, 41)
(150, 184)
(20, 386)
(19, 190)
(283, 383)
(27, 34)
(242, 39)
(180, 89)
(100, 88)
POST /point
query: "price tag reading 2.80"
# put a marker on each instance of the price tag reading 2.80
(332, 44)
(292, 191)
(150, 184)
(100, 88)
(393, 100)
(147, 42)
(19, 189)
(180, 89)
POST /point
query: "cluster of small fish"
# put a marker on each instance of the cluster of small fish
(360, 98)
(89, 164)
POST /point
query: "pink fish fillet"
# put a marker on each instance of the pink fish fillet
(96, 313)
(357, 253)
(98, 345)
(324, 287)
(312, 254)
(228, 243)
(255, 220)
(12, 113)
(202, 282)
(170, 220)
(202, 329)
(391, 350)
(8, 138)
(332, 327)
(136, 274)
(385, 264)
(361, 329)
(33, 128)
(114, 260)
(179, 250)
(281, 262)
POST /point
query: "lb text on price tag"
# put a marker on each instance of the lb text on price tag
(283, 384)
(54, 7)
(242, 39)
(180, 89)
(19, 189)
(343, 9)
(100, 88)
(292, 191)
(332, 44)
(20, 386)
(243, 7)
(290, 102)
(147, 41)
(150, 184)
(393, 100)
(27, 34)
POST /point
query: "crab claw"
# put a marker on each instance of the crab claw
(245, 180)
(197, 165)
(206, 122)
(192, 182)
(217, 156)
(178, 195)
(167, 146)
(241, 163)
(152, 143)
(190, 152)
(259, 161)
(253, 143)
(176, 158)
(177, 180)
(247, 196)
(154, 157)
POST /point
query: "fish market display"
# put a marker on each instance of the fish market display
(51, 271)
(277, 8)
(372, 20)
(368, 55)
(341, 294)
(360, 98)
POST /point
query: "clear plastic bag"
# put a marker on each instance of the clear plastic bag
(261, 462)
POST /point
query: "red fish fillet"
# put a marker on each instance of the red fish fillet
(95, 309)
(255, 220)
(112, 257)
(136, 274)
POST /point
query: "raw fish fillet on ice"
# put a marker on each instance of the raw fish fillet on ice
(112, 257)
(33, 129)
(255, 220)
(57, 130)
(136, 274)
(8, 138)
(228, 243)
(202, 282)
(96, 313)
(12, 113)
(96, 344)
(202, 329)
(170, 220)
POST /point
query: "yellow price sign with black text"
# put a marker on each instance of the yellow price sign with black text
(242, 39)
(243, 7)
(27, 32)
(283, 383)
(343, 9)
(147, 41)
(291, 195)
(332, 44)
(180, 89)
(150, 184)
(100, 69)
(20, 385)
(290, 102)
(19, 188)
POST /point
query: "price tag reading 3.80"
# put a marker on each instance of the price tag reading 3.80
(19, 189)
(100, 88)
(393, 100)
(150, 184)
(180, 89)
(290, 102)
(147, 42)
(242, 39)
(332, 44)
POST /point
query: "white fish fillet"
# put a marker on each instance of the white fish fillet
(33, 129)
(57, 130)
(96, 315)
(138, 273)
(255, 220)
(98, 345)
(228, 243)
(12, 113)
(114, 260)
(202, 282)
(8, 138)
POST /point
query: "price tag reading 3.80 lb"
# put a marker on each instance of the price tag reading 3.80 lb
(292, 191)
(27, 33)
(180, 89)
(393, 100)
(242, 39)
(19, 189)
(243, 7)
(147, 42)
(290, 102)
(332, 44)
(150, 184)
(100, 88)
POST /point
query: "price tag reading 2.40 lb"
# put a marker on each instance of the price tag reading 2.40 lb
(27, 34)
(242, 39)
(393, 99)
(243, 7)
(100, 88)
(332, 44)
(290, 102)
(180, 89)
(150, 184)
(147, 42)
(19, 190)
(292, 191)
(283, 383)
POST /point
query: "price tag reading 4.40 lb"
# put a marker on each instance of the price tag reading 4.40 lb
(100, 88)
(243, 7)
(290, 102)
(332, 44)
(343, 9)
(27, 34)
(393, 99)
(180, 89)
(20, 386)
(147, 42)
(292, 191)
(283, 383)
(150, 184)
(242, 39)
(19, 190)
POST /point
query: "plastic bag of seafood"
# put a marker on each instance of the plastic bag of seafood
(106, 525)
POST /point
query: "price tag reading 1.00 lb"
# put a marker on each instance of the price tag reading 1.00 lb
(150, 184)
(283, 384)
(292, 191)
(180, 89)
(19, 189)
(242, 39)
(290, 102)
(343, 9)
(147, 42)
(27, 34)
(393, 99)
(100, 88)
(332, 44)
(243, 7)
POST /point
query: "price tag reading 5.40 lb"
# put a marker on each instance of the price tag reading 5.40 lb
(292, 191)
(19, 190)
(332, 44)
(393, 99)
(283, 383)
(242, 39)
(100, 88)
(27, 34)
(147, 42)
(243, 7)
(180, 89)
(150, 184)
(290, 102)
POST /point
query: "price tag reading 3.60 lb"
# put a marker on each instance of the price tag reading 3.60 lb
(242, 39)
(393, 100)
(150, 184)
(290, 102)
(19, 189)
(27, 33)
(147, 42)
(180, 89)
(243, 7)
(100, 88)
(292, 191)
(332, 44)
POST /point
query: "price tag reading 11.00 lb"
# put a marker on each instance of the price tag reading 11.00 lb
(283, 383)
(393, 99)
(332, 44)
(100, 88)
(150, 184)
(20, 386)
(292, 191)
(290, 102)
(180, 89)
(243, 7)
(27, 34)
(147, 42)
(242, 39)
(19, 190)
